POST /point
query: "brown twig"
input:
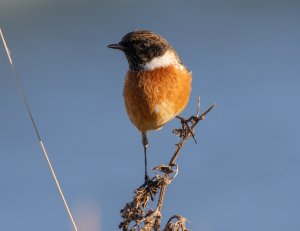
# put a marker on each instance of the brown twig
(179, 224)
(194, 120)
(135, 211)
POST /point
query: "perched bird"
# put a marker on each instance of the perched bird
(157, 85)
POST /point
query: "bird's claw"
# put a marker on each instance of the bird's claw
(148, 186)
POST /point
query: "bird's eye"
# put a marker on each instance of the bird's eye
(143, 46)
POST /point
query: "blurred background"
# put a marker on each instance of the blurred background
(242, 175)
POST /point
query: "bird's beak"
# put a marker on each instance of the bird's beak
(115, 46)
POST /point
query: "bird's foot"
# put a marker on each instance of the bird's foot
(148, 186)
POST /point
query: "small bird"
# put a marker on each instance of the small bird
(157, 85)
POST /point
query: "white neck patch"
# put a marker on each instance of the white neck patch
(167, 59)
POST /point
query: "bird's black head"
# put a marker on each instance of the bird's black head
(141, 46)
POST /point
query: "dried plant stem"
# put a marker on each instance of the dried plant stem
(179, 145)
(19, 83)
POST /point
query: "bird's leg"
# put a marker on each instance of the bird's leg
(145, 144)
(147, 179)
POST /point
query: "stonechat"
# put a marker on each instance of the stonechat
(157, 85)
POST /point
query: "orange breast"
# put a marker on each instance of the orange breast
(152, 98)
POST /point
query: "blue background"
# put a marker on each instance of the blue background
(244, 173)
